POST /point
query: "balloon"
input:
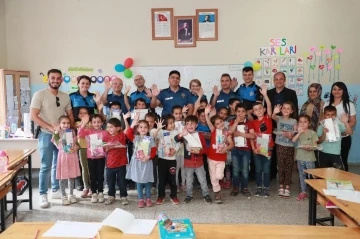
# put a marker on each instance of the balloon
(248, 64)
(322, 46)
(306, 54)
(333, 47)
(119, 68)
(128, 63)
(339, 50)
(256, 66)
(312, 67)
(313, 49)
(337, 67)
(128, 73)
(335, 57)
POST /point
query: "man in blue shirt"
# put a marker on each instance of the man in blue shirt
(139, 81)
(221, 98)
(174, 95)
(116, 85)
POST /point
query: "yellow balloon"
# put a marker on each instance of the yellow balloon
(45, 79)
(306, 54)
(256, 66)
(335, 57)
(337, 67)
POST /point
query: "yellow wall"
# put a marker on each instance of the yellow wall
(43, 34)
(2, 35)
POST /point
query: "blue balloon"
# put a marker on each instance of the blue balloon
(248, 64)
(119, 68)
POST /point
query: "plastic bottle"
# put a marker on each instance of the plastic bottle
(164, 220)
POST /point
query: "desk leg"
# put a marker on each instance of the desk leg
(14, 199)
(30, 182)
(312, 207)
(2, 205)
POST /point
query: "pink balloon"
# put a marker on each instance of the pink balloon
(318, 53)
(128, 63)
(327, 51)
(339, 50)
(313, 49)
(329, 67)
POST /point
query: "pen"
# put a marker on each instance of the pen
(342, 202)
(36, 234)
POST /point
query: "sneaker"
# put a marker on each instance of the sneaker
(85, 193)
(43, 202)
(281, 192)
(175, 201)
(90, 193)
(94, 198)
(245, 192)
(106, 189)
(124, 201)
(153, 191)
(235, 191)
(110, 200)
(149, 203)
(207, 199)
(160, 201)
(141, 203)
(266, 193)
(72, 199)
(218, 198)
(65, 201)
(188, 199)
(101, 197)
(227, 184)
(258, 192)
(287, 194)
(56, 194)
(302, 196)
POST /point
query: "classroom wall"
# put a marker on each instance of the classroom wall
(3, 58)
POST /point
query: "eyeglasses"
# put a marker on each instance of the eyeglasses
(57, 101)
(85, 101)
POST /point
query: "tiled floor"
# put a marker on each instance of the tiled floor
(234, 209)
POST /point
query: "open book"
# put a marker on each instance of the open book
(126, 222)
(239, 140)
(193, 140)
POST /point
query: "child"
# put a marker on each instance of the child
(233, 102)
(83, 112)
(223, 113)
(241, 155)
(167, 149)
(116, 160)
(330, 155)
(193, 160)
(305, 157)
(140, 103)
(262, 127)
(67, 168)
(141, 167)
(115, 112)
(285, 149)
(94, 136)
(220, 143)
(177, 112)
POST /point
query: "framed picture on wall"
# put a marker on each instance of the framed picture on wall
(207, 24)
(162, 23)
(185, 30)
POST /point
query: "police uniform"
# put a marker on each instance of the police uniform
(223, 99)
(249, 94)
(169, 99)
(195, 97)
(78, 101)
(136, 95)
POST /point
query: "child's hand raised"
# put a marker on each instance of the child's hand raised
(212, 112)
(127, 89)
(207, 109)
(263, 89)
(185, 109)
(184, 132)
(344, 118)
(126, 116)
(277, 109)
(159, 124)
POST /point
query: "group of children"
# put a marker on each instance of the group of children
(206, 144)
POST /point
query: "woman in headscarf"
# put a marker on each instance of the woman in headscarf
(313, 107)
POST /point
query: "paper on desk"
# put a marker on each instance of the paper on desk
(346, 195)
(73, 229)
(126, 222)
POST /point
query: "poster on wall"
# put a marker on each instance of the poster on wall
(185, 29)
(207, 24)
(162, 25)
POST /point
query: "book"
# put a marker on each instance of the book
(193, 140)
(334, 132)
(339, 184)
(180, 228)
(329, 204)
(96, 145)
(310, 147)
(220, 142)
(141, 112)
(262, 143)
(239, 140)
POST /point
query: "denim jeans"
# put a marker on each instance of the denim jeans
(201, 176)
(48, 162)
(140, 189)
(303, 165)
(240, 163)
(116, 175)
(262, 167)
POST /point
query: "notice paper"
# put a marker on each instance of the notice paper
(73, 229)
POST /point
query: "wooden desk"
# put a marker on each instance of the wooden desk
(349, 214)
(205, 231)
(6, 184)
(335, 174)
(17, 160)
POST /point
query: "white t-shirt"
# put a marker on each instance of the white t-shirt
(340, 108)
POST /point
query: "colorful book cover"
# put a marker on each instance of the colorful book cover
(339, 185)
(180, 228)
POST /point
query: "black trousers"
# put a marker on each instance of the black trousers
(167, 174)
(345, 148)
(96, 171)
(326, 160)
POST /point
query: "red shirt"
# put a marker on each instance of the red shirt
(249, 126)
(116, 157)
(264, 123)
(212, 152)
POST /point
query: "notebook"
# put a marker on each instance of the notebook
(181, 228)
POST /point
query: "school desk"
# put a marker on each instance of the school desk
(335, 173)
(202, 231)
(7, 183)
(347, 212)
